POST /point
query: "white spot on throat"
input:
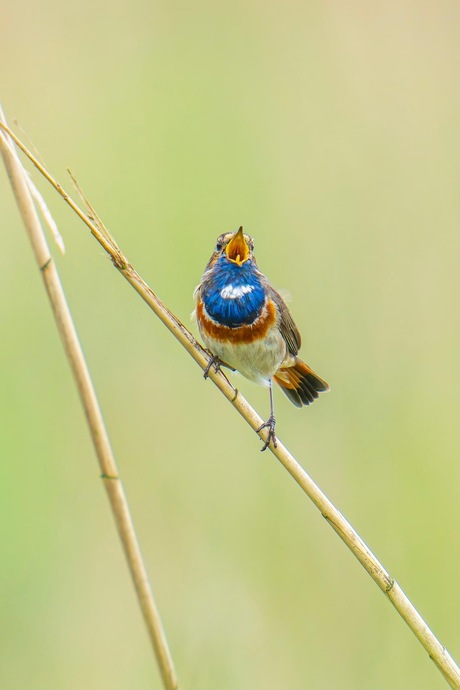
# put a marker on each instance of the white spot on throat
(230, 292)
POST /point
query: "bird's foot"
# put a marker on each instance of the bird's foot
(270, 425)
(217, 364)
(213, 362)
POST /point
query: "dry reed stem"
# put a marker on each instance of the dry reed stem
(110, 475)
(353, 541)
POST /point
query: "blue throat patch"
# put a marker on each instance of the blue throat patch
(233, 295)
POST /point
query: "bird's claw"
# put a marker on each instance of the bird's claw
(217, 364)
(213, 362)
(270, 425)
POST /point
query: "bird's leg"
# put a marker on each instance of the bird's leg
(217, 364)
(270, 423)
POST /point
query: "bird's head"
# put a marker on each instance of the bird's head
(235, 247)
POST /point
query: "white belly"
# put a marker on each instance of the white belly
(257, 361)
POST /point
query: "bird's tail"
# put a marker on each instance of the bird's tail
(300, 383)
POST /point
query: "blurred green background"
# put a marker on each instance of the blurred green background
(331, 132)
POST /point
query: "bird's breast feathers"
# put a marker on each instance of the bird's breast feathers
(245, 333)
(233, 296)
(256, 350)
(238, 320)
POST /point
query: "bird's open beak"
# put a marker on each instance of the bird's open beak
(237, 249)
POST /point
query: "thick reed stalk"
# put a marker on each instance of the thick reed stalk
(109, 471)
(353, 541)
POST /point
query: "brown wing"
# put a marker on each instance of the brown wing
(286, 324)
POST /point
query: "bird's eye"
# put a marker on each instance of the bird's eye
(219, 246)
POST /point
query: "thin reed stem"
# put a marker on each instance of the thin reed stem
(108, 467)
(338, 522)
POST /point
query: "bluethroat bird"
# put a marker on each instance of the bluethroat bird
(246, 325)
